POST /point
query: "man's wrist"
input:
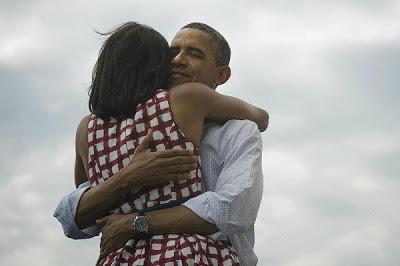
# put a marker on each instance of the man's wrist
(130, 230)
(178, 220)
(125, 181)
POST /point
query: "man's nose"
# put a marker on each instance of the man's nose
(179, 59)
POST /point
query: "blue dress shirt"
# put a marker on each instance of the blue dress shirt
(233, 184)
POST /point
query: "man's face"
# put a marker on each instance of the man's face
(193, 58)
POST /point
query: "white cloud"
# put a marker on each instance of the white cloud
(326, 72)
(351, 246)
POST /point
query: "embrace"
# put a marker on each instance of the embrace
(167, 169)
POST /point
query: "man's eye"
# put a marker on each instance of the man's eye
(196, 54)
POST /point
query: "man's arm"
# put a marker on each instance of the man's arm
(82, 207)
(230, 207)
(233, 202)
(117, 229)
(65, 214)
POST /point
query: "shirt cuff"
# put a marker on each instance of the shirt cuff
(212, 213)
(65, 214)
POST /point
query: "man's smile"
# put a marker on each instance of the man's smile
(178, 74)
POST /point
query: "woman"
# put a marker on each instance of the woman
(126, 100)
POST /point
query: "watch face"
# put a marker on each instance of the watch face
(141, 224)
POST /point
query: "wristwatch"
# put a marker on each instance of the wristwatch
(141, 224)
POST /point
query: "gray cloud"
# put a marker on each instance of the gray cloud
(326, 72)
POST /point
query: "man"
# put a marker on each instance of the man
(231, 167)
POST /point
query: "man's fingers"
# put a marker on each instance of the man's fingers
(178, 160)
(145, 144)
(103, 254)
(166, 177)
(102, 221)
(174, 153)
(173, 177)
(105, 248)
(173, 169)
(180, 168)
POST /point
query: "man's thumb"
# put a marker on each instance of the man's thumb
(145, 144)
(102, 221)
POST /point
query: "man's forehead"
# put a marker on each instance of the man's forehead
(191, 37)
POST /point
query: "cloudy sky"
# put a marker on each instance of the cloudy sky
(327, 72)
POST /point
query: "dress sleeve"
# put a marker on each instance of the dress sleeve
(233, 205)
(66, 211)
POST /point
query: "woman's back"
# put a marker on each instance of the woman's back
(112, 144)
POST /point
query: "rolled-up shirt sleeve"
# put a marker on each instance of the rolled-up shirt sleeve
(66, 211)
(234, 202)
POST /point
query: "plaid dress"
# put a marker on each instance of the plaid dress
(111, 147)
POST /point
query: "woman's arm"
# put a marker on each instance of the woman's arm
(81, 147)
(95, 202)
(88, 210)
(219, 107)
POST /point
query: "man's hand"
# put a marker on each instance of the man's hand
(152, 168)
(116, 230)
(145, 168)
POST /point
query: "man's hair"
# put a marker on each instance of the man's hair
(133, 64)
(221, 46)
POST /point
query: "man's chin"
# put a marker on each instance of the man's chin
(176, 81)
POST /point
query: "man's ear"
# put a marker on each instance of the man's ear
(224, 73)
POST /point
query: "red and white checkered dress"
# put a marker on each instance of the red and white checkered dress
(111, 147)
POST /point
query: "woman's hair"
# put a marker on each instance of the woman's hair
(133, 63)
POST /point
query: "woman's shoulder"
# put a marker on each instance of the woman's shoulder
(81, 132)
(81, 139)
(190, 90)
